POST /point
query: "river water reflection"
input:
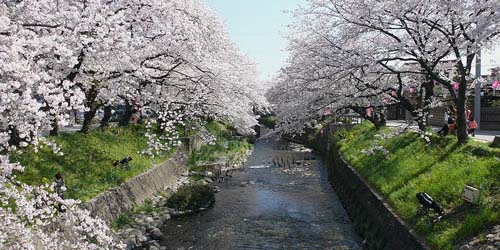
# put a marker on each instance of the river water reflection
(269, 207)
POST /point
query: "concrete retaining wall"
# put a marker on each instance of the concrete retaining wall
(192, 143)
(371, 215)
(123, 198)
(373, 219)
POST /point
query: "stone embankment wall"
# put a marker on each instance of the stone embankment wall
(372, 217)
(121, 199)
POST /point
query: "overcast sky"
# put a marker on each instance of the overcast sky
(490, 59)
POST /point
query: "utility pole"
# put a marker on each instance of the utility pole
(477, 91)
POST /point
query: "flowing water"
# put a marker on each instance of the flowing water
(266, 206)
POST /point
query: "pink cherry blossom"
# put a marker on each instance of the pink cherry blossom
(174, 57)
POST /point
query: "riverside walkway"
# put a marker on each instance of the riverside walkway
(481, 135)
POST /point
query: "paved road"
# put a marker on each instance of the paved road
(75, 128)
(481, 136)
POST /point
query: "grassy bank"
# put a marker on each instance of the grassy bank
(192, 197)
(268, 121)
(226, 146)
(87, 163)
(440, 168)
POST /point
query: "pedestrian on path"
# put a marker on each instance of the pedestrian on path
(472, 125)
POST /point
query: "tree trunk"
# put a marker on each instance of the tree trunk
(129, 111)
(383, 121)
(107, 116)
(159, 129)
(412, 110)
(14, 138)
(55, 128)
(87, 119)
(406, 103)
(141, 118)
(429, 93)
(93, 106)
(461, 122)
(75, 113)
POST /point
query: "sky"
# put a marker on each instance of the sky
(490, 59)
(258, 28)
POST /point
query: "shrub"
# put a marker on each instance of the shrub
(121, 222)
(147, 207)
(192, 197)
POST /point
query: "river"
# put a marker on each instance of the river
(265, 206)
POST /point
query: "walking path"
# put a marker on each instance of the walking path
(75, 128)
(481, 136)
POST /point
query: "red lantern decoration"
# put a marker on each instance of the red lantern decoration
(495, 85)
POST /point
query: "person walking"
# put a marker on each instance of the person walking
(472, 125)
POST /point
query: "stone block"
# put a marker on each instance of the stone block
(496, 142)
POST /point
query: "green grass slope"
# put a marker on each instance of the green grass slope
(226, 146)
(440, 168)
(87, 161)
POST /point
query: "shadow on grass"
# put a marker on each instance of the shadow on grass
(440, 168)
(87, 161)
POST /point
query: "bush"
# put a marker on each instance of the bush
(146, 207)
(121, 222)
(226, 146)
(192, 197)
(268, 121)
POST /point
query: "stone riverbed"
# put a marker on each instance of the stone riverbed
(281, 199)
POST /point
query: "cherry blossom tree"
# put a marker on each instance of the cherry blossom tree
(387, 36)
(37, 61)
(173, 57)
(179, 56)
